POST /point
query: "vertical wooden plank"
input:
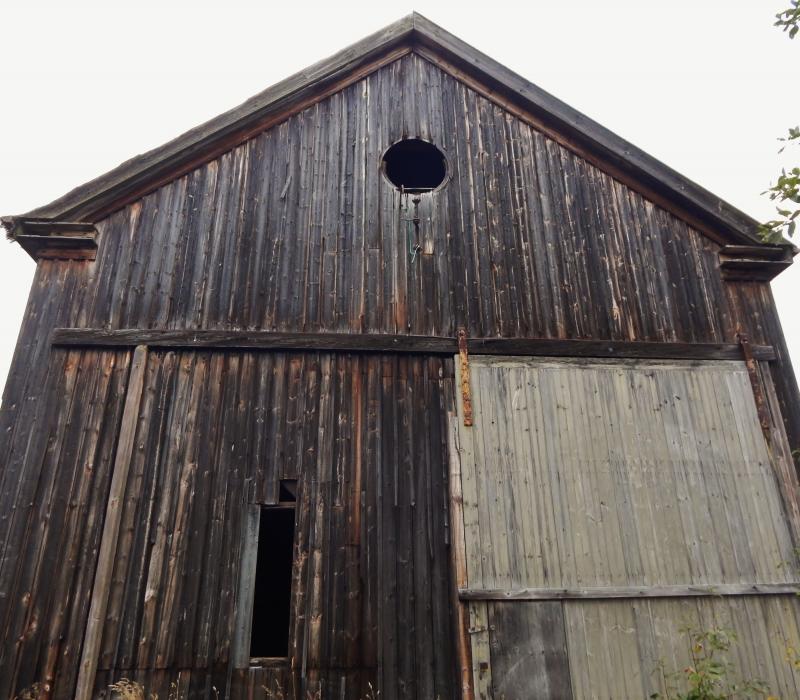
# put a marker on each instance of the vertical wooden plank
(240, 646)
(781, 458)
(108, 545)
(481, 655)
(470, 487)
(459, 560)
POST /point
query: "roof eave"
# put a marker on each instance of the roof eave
(85, 200)
(97, 197)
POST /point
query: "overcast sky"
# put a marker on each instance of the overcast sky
(707, 86)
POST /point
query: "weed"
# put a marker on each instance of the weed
(709, 676)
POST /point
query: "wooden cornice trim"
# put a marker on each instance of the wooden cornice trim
(53, 240)
(754, 263)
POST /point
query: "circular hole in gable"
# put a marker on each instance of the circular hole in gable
(414, 165)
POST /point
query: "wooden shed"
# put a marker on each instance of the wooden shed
(401, 380)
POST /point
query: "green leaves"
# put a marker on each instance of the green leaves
(709, 674)
(789, 19)
(786, 189)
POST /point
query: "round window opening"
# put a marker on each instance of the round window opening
(414, 165)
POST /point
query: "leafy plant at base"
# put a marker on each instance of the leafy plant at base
(710, 676)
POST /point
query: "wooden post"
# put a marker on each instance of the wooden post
(108, 545)
(758, 389)
(459, 561)
(781, 456)
(466, 391)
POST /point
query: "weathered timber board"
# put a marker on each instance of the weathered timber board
(619, 474)
(60, 474)
(612, 592)
(427, 345)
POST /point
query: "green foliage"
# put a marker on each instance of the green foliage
(786, 191)
(709, 676)
(789, 19)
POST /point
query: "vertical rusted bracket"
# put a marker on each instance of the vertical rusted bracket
(466, 391)
(755, 382)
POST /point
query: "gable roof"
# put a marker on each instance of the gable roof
(144, 173)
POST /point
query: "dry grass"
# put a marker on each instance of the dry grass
(34, 692)
(278, 693)
(126, 689)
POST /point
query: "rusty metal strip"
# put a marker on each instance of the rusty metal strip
(466, 391)
(758, 390)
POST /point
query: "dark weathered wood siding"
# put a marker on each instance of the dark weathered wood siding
(57, 462)
(363, 436)
(297, 230)
(216, 431)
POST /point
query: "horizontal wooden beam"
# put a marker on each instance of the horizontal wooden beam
(384, 342)
(614, 592)
(614, 348)
(256, 340)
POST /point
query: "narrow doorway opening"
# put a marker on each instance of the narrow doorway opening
(269, 637)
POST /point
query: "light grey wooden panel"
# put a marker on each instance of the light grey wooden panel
(616, 648)
(619, 473)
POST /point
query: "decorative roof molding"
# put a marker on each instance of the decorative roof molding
(136, 177)
(754, 263)
(44, 239)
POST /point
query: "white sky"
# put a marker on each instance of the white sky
(707, 86)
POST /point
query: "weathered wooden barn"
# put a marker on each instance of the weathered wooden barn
(405, 378)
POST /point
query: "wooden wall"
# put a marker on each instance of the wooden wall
(297, 230)
(637, 473)
(590, 485)
(53, 491)
(619, 646)
(371, 589)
